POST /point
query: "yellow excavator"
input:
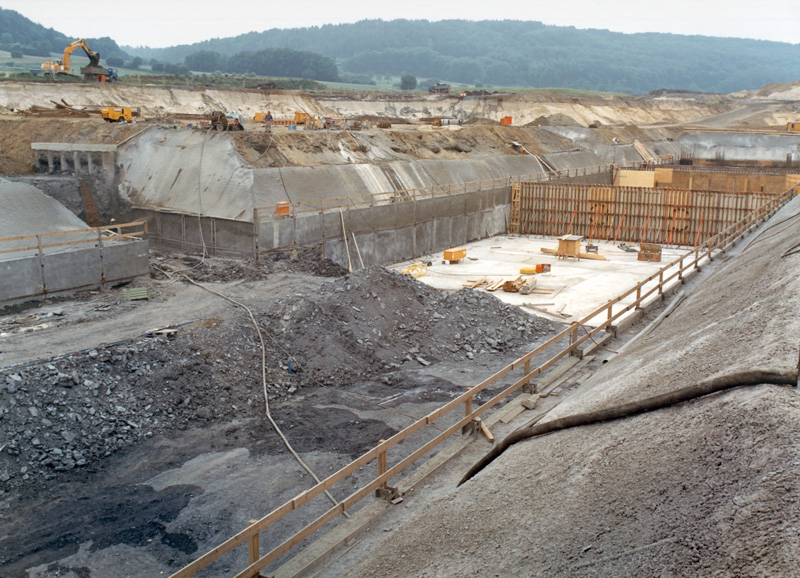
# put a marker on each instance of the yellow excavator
(93, 72)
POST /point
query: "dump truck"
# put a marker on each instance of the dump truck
(93, 72)
(226, 121)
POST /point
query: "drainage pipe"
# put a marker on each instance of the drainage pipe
(705, 387)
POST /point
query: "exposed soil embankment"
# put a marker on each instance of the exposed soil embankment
(526, 107)
(17, 134)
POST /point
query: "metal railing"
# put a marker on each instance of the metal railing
(671, 273)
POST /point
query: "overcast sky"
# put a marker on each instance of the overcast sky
(159, 23)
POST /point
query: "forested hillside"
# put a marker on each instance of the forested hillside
(19, 34)
(515, 53)
(505, 53)
(270, 62)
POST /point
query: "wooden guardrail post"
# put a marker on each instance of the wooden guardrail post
(528, 387)
(382, 466)
(661, 283)
(467, 429)
(252, 546)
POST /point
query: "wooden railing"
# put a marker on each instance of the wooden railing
(135, 231)
(577, 333)
(411, 195)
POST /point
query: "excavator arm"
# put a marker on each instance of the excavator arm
(94, 57)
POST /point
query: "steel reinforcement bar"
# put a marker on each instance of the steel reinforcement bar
(683, 266)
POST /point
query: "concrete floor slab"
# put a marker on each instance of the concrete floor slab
(575, 288)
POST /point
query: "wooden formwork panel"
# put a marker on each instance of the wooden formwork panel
(631, 214)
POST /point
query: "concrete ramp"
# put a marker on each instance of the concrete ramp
(28, 211)
(46, 249)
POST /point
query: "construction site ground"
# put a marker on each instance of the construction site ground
(569, 291)
(134, 434)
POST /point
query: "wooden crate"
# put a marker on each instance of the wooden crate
(649, 252)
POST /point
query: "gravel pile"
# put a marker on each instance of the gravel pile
(377, 320)
(69, 413)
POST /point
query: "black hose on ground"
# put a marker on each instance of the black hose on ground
(706, 387)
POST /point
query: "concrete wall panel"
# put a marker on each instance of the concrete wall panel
(405, 215)
(332, 225)
(334, 250)
(423, 238)
(472, 202)
(442, 207)
(424, 210)
(458, 230)
(20, 278)
(475, 225)
(386, 249)
(72, 269)
(125, 260)
(403, 244)
(266, 236)
(285, 232)
(234, 237)
(380, 218)
(363, 245)
(441, 233)
(308, 229)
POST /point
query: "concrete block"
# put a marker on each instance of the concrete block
(20, 278)
(125, 260)
(72, 270)
(501, 196)
(170, 230)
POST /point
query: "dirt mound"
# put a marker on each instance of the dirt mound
(376, 320)
(557, 119)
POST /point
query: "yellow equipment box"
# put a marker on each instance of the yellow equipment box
(455, 255)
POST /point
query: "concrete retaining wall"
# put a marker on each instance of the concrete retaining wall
(397, 231)
(86, 268)
(194, 234)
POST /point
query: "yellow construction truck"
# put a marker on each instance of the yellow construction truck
(117, 114)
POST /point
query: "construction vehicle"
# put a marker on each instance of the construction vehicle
(116, 114)
(793, 127)
(93, 72)
(226, 121)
